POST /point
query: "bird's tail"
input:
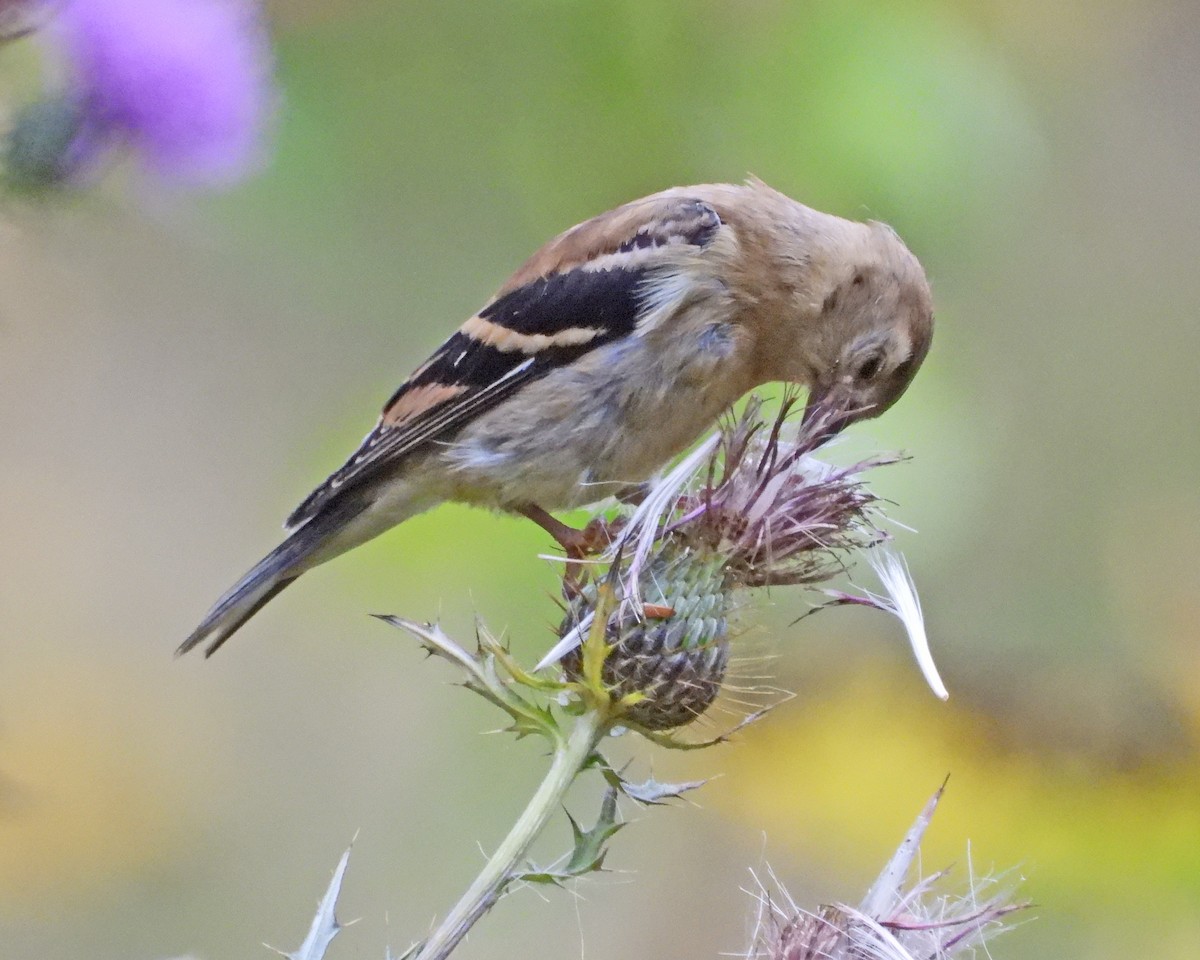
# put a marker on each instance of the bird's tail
(307, 546)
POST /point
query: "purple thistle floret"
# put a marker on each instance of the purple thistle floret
(185, 83)
(783, 516)
(757, 497)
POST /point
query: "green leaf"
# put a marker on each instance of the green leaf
(537, 721)
(588, 854)
(588, 850)
(595, 647)
(545, 878)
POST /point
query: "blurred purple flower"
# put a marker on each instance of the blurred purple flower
(16, 19)
(186, 83)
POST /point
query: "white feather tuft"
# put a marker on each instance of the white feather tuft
(903, 602)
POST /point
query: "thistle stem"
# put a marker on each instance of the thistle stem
(570, 757)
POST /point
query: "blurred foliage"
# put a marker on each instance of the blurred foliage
(177, 374)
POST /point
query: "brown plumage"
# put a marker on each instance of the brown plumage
(607, 353)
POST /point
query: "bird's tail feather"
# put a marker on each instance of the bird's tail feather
(266, 579)
(227, 617)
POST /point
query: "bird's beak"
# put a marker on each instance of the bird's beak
(826, 413)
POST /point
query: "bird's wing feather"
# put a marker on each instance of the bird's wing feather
(581, 290)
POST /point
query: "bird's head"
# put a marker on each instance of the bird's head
(875, 327)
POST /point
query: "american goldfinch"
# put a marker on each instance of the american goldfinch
(609, 352)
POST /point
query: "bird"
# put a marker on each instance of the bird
(607, 354)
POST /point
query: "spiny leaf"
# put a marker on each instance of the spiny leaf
(519, 674)
(325, 925)
(650, 792)
(588, 853)
(538, 721)
(488, 676)
(673, 743)
(653, 792)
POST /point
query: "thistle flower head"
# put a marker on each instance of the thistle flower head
(17, 18)
(773, 513)
(749, 508)
(186, 84)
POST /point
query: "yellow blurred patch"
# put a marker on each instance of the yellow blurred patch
(842, 776)
(85, 797)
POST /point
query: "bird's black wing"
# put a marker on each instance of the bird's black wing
(583, 289)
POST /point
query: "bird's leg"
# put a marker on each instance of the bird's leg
(576, 544)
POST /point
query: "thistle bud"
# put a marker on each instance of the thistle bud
(669, 656)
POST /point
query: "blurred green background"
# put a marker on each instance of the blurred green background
(177, 373)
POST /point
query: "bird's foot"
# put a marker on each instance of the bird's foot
(578, 545)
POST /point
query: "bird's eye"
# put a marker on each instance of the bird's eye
(870, 367)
